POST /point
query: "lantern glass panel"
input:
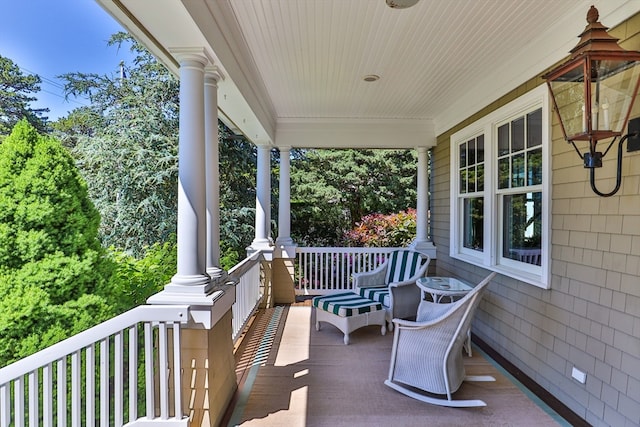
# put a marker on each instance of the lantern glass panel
(612, 91)
(569, 96)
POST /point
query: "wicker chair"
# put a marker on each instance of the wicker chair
(427, 353)
(393, 284)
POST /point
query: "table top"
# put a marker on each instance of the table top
(443, 285)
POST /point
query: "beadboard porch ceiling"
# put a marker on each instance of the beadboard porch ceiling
(293, 70)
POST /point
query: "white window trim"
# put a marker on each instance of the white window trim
(488, 125)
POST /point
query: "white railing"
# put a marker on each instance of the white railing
(120, 371)
(246, 277)
(110, 375)
(322, 270)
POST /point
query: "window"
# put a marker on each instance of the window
(471, 173)
(500, 196)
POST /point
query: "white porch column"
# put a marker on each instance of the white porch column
(263, 198)
(211, 78)
(421, 242)
(284, 203)
(191, 277)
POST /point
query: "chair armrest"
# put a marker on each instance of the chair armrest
(410, 324)
(439, 315)
(411, 281)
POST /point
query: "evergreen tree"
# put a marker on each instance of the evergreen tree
(126, 146)
(15, 90)
(53, 270)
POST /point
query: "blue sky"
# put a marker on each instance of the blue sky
(53, 37)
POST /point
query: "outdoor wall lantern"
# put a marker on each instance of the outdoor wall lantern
(593, 94)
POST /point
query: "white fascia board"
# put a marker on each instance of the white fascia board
(242, 96)
(355, 133)
(167, 26)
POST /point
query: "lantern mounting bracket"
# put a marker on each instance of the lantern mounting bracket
(598, 158)
(633, 144)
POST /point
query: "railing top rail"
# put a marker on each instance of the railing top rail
(145, 313)
(345, 250)
(243, 266)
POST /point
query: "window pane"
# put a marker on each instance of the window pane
(471, 153)
(463, 181)
(517, 171)
(480, 151)
(463, 155)
(534, 167)
(471, 179)
(503, 173)
(480, 178)
(517, 135)
(503, 140)
(522, 227)
(473, 229)
(534, 128)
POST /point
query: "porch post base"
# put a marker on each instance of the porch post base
(425, 247)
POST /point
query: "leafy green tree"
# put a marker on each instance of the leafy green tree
(53, 272)
(333, 189)
(15, 90)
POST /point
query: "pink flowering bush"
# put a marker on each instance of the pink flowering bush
(385, 231)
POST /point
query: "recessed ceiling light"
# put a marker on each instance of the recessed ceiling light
(371, 78)
(401, 4)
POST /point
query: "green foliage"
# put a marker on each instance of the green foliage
(126, 145)
(135, 280)
(238, 160)
(52, 268)
(385, 231)
(126, 148)
(332, 189)
(44, 208)
(15, 88)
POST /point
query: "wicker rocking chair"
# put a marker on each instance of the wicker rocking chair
(427, 353)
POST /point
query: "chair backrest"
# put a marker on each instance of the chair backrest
(402, 265)
(471, 301)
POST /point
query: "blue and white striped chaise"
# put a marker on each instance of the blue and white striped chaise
(393, 283)
(348, 311)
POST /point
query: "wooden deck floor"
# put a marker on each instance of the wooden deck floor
(289, 374)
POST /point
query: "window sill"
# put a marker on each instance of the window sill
(515, 273)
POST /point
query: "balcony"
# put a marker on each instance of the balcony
(122, 372)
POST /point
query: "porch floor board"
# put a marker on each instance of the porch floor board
(290, 374)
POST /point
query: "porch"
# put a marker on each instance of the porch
(257, 361)
(290, 374)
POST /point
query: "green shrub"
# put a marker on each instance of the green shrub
(384, 231)
(53, 271)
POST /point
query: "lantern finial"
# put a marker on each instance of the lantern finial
(592, 15)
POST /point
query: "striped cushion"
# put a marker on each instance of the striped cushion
(345, 304)
(376, 294)
(402, 266)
